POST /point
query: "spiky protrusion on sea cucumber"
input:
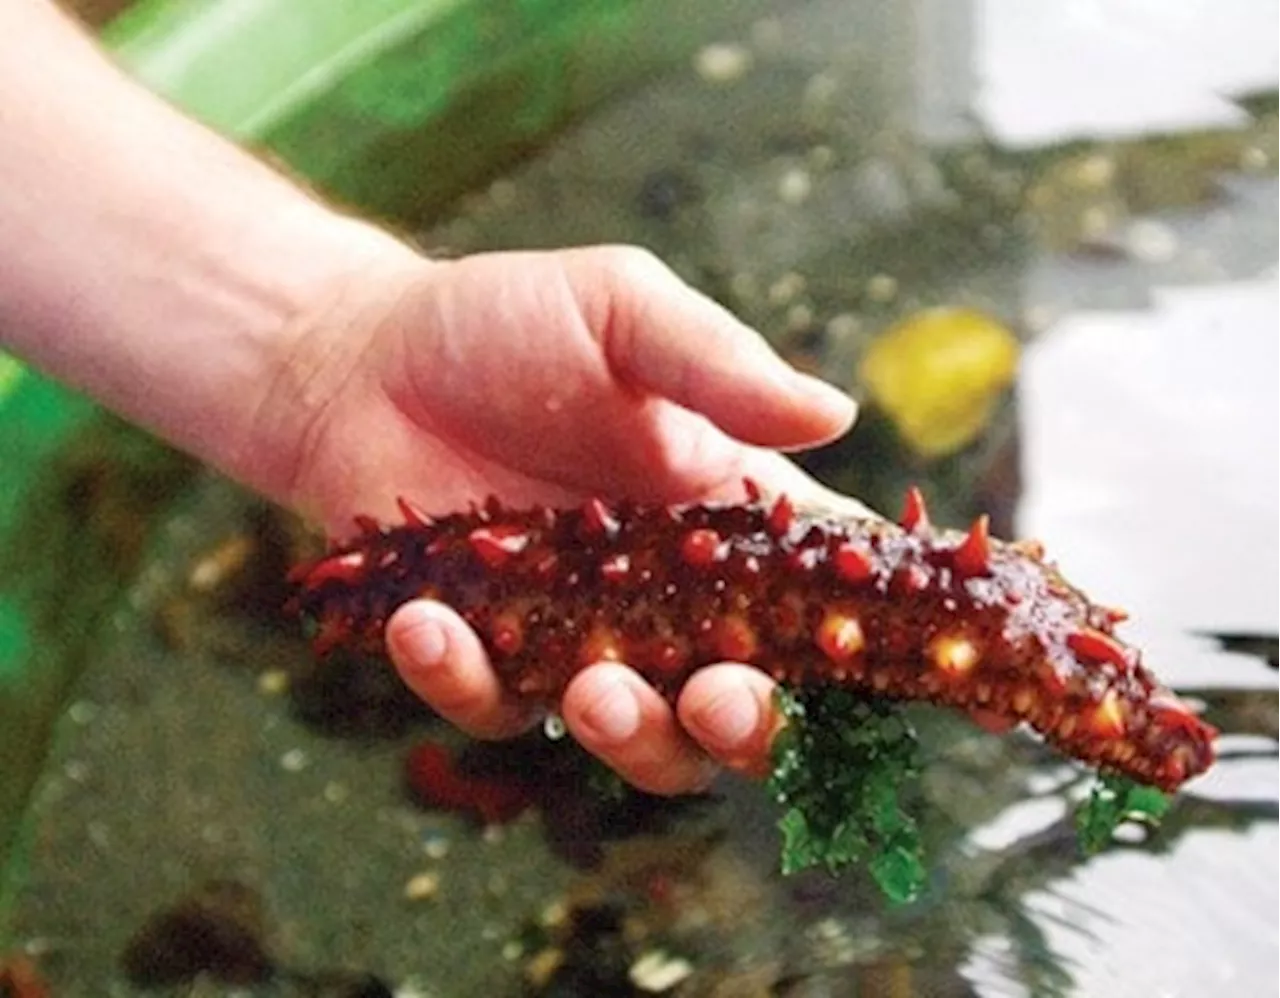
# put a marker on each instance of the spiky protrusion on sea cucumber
(905, 611)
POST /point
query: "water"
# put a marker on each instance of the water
(823, 183)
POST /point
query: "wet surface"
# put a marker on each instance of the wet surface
(220, 817)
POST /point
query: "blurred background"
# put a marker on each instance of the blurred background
(1038, 241)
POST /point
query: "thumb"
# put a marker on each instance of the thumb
(660, 335)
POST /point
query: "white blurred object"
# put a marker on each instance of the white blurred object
(1057, 70)
(1151, 456)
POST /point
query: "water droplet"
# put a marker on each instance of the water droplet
(554, 728)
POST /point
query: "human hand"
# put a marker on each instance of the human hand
(547, 378)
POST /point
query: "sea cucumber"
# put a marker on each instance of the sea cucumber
(903, 611)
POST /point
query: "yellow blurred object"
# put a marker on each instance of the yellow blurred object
(938, 374)
(10, 372)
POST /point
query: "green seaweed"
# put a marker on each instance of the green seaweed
(1116, 799)
(841, 766)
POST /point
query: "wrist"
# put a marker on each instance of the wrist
(345, 277)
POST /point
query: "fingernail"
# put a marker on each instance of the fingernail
(825, 395)
(614, 717)
(423, 639)
(730, 718)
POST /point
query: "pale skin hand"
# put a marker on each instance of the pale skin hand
(548, 378)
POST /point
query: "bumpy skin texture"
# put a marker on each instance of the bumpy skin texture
(902, 611)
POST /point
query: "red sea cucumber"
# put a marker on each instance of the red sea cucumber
(903, 611)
